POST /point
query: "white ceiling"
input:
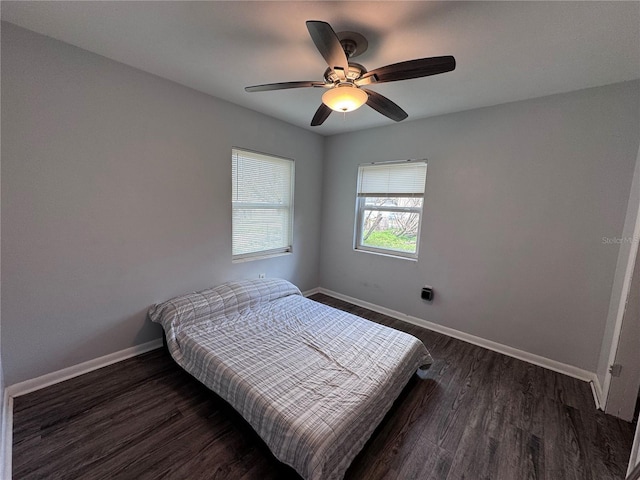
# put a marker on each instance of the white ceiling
(505, 51)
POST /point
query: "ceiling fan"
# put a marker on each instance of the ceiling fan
(344, 81)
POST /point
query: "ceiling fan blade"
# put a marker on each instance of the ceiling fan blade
(421, 67)
(386, 107)
(284, 85)
(328, 45)
(321, 115)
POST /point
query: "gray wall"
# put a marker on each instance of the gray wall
(116, 193)
(519, 197)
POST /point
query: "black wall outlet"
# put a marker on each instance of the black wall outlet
(427, 293)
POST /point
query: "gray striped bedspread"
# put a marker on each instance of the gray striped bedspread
(313, 381)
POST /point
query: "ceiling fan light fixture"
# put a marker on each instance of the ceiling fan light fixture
(345, 81)
(345, 97)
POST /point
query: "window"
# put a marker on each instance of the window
(389, 207)
(262, 204)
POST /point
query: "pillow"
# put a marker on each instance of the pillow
(224, 300)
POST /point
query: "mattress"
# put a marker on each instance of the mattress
(313, 381)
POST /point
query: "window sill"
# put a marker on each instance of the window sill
(260, 257)
(390, 255)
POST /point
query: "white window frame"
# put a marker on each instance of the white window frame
(285, 249)
(360, 209)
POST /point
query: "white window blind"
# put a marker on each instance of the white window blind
(262, 204)
(397, 180)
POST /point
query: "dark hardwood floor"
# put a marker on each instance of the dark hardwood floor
(480, 415)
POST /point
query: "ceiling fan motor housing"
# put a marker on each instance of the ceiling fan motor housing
(355, 72)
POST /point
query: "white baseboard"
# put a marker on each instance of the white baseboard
(544, 362)
(313, 291)
(6, 441)
(52, 378)
(598, 395)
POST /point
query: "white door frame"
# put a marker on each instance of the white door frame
(621, 307)
(635, 451)
(626, 285)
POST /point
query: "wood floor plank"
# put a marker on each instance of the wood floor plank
(476, 457)
(566, 448)
(87, 442)
(394, 441)
(489, 411)
(521, 455)
(607, 453)
(425, 461)
(526, 406)
(479, 415)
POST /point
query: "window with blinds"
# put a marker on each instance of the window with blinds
(262, 204)
(389, 207)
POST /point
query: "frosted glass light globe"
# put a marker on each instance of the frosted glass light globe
(345, 97)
